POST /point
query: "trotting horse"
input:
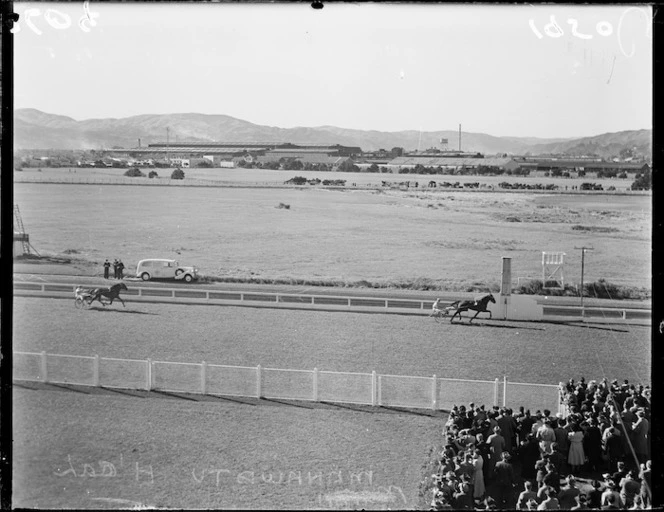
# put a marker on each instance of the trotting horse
(479, 305)
(110, 293)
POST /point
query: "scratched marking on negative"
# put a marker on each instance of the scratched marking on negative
(56, 19)
(384, 497)
(221, 476)
(602, 28)
(142, 474)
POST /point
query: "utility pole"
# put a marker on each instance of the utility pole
(583, 260)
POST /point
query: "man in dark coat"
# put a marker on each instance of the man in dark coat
(592, 446)
(107, 266)
(619, 474)
(115, 268)
(507, 426)
(552, 477)
(120, 269)
(614, 448)
(504, 481)
(528, 456)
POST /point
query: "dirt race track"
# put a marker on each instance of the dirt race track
(89, 448)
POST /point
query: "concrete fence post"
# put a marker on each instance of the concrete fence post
(495, 392)
(434, 392)
(148, 374)
(374, 391)
(44, 369)
(315, 384)
(504, 390)
(259, 381)
(204, 378)
(95, 371)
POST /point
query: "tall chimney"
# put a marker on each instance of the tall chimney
(459, 136)
(139, 142)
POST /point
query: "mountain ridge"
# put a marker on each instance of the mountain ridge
(35, 129)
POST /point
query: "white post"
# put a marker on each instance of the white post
(495, 392)
(259, 383)
(204, 378)
(315, 384)
(379, 397)
(504, 390)
(44, 369)
(95, 371)
(148, 374)
(373, 388)
(434, 392)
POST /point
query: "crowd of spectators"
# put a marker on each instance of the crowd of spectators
(594, 455)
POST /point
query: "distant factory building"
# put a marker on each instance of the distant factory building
(455, 163)
(581, 164)
(224, 154)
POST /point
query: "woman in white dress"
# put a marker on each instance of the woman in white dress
(478, 481)
(576, 457)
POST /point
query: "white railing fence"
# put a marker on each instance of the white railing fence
(312, 385)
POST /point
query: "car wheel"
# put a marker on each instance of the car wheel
(145, 276)
(178, 272)
(188, 278)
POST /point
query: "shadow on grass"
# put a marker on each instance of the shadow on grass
(291, 403)
(131, 311)
(587, 326)
(500, 326)
(218, 400)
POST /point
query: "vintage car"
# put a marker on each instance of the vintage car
(165, 269)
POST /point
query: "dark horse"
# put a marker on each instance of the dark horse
(479, 305)
(110, 293)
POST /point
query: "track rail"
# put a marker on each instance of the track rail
(595, 314)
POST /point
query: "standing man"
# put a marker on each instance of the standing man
(120, 269)
(496, 444)
(115, 268)
(107, 266)
(504, 481)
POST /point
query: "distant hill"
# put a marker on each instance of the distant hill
(34, 129)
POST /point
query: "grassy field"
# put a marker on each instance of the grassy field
(208, 452)
(125, 451)
(454, 239)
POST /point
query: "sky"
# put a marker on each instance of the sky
(526, 71)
